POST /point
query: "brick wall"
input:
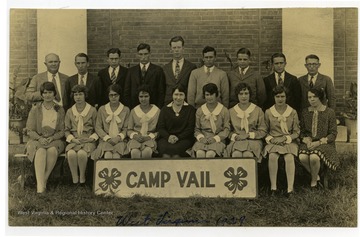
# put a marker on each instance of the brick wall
(345, 51)
(226, 30)
(23, 44)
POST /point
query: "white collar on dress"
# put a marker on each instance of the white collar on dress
(216, 111)
(247, 111)
(116, 112)
(151, 113)
(171, 103)
(276, 114)
(83, 113)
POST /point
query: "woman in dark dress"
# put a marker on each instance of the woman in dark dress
(318, 134)
(176, 126)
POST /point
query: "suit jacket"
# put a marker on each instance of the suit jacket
(93, 85)
(154, 77)
(322, 81)
(254, 80)
(105, 82)
(293, 97)
(33, 91)
(183, 78)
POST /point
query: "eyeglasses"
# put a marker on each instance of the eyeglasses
(312, 64)
(114, 95)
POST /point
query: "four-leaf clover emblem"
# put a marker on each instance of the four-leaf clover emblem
(237, 182)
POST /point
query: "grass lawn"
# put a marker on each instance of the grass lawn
(64, 205)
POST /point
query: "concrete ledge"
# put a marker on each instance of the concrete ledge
(343, 147)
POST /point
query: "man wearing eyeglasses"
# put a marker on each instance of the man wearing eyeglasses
(316, 80)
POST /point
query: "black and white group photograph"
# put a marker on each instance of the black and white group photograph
(166, 117)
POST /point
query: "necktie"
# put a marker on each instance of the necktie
(57, 97)
(177, 70)
(241, 72)
(113, 76)
(143, 71)
(207, 71)
(82, 83)
(280, 82)
(311, 84)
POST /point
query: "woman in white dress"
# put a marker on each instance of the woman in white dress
(111, 127)
(80, 133)
(142, 126)
(211, 125)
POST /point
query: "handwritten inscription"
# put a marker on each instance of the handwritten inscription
(166, 219)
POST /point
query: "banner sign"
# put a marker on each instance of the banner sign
(218, 177)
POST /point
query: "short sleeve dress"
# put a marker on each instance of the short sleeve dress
(318, 125)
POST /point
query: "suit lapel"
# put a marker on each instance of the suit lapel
(168, 70)
(248, 73)
(272, 81)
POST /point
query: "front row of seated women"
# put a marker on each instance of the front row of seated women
(178, 130)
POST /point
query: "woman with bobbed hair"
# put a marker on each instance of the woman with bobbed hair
(176, 126)
(247, 126)
(318, 134)
(142, 125)
(211, 125)
(45, 127)
(111, 126)
(80, 133)
(283, 131)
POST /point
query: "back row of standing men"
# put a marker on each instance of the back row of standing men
(181, 71)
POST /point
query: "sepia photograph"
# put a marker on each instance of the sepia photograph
(226, 117)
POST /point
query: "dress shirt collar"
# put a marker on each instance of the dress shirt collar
(206, 68)
(146, 66)
(244, 70)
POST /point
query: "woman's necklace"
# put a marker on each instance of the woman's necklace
(177, 110)
(48, 107)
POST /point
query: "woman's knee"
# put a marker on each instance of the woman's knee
(314, 159)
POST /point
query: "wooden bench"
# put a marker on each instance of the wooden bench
(24, 166)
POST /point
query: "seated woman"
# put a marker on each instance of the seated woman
(176, 126)
(247, 126)
(80, 133)
(111, 127)
(283, 130)
(142, 126)
(318, 134)
(45, 127)
(211, 125)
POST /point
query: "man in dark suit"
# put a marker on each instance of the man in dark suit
(280, 76)
(112, 74)
(144, 73)
(178, 70)
(52, 63)
(316, 80)
(83, 77)
(245, 74)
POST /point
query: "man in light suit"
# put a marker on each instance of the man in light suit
(245, 74)
(144, 73)
(52, 63)
(209, 73)
(112, 74)
(83, 77)
(316, 80)
(178, 70)
(280, 76)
